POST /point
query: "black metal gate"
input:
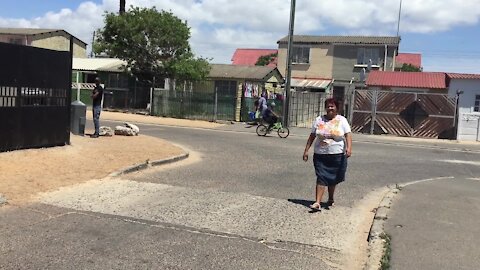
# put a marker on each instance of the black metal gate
(34, 97)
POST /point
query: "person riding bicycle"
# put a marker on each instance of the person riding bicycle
(270, 116)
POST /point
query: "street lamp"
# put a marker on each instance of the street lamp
(288, 73)
(457, 112)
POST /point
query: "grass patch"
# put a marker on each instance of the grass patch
(387, 252)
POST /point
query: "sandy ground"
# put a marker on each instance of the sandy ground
(25, 173)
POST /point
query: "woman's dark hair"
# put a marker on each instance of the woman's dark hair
(332, 101)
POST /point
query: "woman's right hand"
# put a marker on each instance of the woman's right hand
(305, 156)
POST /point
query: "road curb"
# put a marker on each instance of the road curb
(376, 239)
(148, 164)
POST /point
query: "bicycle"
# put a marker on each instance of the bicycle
(283, 132)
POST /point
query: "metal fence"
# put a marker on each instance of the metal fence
(404, 114)
(34, 97)
(305, 107)
(115, 98)
(208, 104)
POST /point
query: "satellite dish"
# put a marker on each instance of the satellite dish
(362, 75)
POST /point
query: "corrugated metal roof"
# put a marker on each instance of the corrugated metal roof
(248, 57)
(424, 80)
(33, 31)
(310, 83)
(240, 72)
(463, 76)
(98, 64)
(380, 40)
(414, 59)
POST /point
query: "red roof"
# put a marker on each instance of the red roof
(463, 76)
(248, 57)
(427, 80)
(414, 59)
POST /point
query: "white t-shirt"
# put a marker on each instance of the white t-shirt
(330, 134)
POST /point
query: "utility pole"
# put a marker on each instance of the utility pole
(288, 73)
(121, 11)
(93, 42)
(399, 17)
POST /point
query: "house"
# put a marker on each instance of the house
(53, 39)
(467, 88)
(246, 83)
(338, 61)
(414, 59)
(249, 57)
(122, 90)
(415, 82)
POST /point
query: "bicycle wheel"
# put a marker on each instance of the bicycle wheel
(261, 130)
(283, 132)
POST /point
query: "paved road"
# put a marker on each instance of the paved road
(242, 206)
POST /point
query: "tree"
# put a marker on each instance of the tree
(410, 68)
(265, 60)
(153, 43)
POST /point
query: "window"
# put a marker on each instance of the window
(8, 96)
(476, 107)
(365, 54)
(300, 55)
(44, 97)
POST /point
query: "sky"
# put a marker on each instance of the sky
(445, 32)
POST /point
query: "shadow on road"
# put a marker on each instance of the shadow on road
(307, 204)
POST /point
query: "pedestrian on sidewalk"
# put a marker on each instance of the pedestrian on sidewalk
(333, 145)
(262, 103)
(97, 95)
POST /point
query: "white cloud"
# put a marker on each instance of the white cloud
(220, 26)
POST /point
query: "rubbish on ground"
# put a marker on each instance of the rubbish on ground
(127, 130)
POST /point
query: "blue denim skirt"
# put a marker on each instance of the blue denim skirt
(330, 169)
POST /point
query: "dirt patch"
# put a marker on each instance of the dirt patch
(25, 173)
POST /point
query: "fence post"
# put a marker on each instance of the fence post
(351, 106)
(215, 106)
(478, 129)
(374, 111)
(151, 96)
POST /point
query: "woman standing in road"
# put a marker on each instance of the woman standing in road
(331, 150)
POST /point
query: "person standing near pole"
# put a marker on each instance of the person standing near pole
(97, 95)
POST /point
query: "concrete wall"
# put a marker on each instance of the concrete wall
(345, 59)
(61, 42)
(25, 40)
(53, 41)
(320, 66)
(468, 127)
